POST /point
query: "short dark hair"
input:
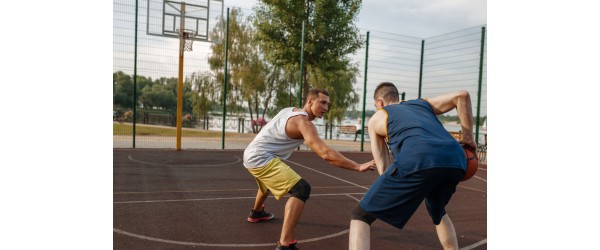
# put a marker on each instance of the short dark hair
(387, 91)
(314, 93)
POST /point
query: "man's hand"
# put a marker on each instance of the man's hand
(367, 166)
(467, 139)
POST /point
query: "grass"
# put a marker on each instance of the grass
(127, 129)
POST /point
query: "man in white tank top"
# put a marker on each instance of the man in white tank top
(276, 141)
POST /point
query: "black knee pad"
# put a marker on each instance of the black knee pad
(301, 190)
(359, 214)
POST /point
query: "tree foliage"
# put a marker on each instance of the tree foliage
(152, 94)
(122, 90)
(251, 80)
(204, 94)
(331, 35)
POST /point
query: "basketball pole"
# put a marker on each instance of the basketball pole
(180, 78)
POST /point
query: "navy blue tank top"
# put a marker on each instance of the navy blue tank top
(418, 140)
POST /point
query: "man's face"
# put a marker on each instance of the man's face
(320, 105)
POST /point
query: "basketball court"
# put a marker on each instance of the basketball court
(199, 199)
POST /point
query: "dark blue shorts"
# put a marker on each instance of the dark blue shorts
(393, 198)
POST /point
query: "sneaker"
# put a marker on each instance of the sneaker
(291, 246)
(258, 216)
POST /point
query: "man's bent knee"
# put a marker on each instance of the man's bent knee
(301, 190)
(359, 214)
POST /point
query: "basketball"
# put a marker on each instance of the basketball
(472, 163)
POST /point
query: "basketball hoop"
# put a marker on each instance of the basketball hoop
(188, 36)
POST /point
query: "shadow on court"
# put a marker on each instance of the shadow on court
(199, 199)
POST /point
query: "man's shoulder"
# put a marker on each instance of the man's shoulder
(298, 118)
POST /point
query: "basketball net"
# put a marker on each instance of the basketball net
(188, 36)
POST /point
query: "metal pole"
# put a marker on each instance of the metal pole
(362, 134)
(135, 72)
(301, 70)
(301, 67)
(479, 89)
(421, 69)
(225, 81)
(180, 80)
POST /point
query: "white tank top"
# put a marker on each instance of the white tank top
(272, 141)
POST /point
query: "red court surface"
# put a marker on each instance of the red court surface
(199, 199)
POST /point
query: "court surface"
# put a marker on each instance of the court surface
(199, 199)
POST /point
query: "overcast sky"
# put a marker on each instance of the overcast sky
(418, 18)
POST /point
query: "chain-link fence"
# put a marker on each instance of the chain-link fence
(420, 67)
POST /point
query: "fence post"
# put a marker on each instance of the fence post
(135, 71)
(225, 82)
(421, 68)
(479, 88)
(362, 136)
(301, 67)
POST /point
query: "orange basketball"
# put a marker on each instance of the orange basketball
(472, 163)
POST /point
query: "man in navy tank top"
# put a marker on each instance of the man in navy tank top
(426, 162)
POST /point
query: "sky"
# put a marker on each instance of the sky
(418, 18)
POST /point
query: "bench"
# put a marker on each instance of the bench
(351, 130)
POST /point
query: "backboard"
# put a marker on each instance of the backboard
(201, 16)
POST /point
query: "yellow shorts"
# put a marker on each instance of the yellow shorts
(276, 177)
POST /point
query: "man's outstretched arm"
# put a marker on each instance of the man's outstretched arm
(333, 157)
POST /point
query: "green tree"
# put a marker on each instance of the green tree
(330, 36)
(252, 81)
(158, 96)
(152, 94)
(122, 90)
(204, 97)
(216, 60)
(339, 85)
(286, 89)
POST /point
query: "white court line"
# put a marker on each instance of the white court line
(223, 245)
(218, 198)
(193, 165)
(461, 186)
(340, 179)
(479, 178)
(474, 245)
(217, 190)
(144, 237)
(232, 198)
(466, 248)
